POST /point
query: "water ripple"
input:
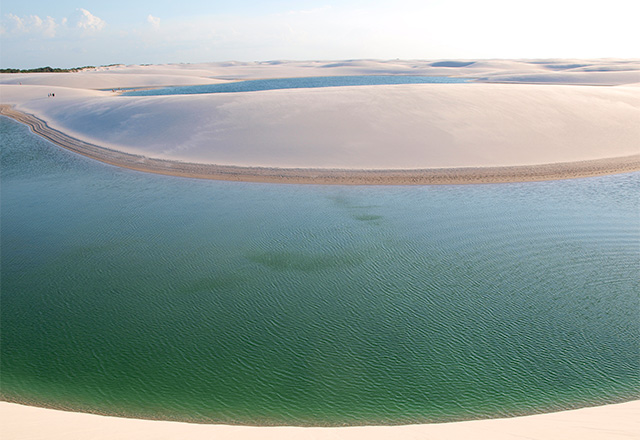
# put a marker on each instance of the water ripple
(125, 293)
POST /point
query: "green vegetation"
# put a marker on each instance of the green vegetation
(45, 69)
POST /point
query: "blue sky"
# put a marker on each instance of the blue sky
(67, 33)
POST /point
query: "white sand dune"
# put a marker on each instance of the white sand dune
(362, 127)
(610, 422)
(604, 77)
(384, 127)
(150, 75)
(98, 80)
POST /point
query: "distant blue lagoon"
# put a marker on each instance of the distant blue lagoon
(154, 296)
(297, 83)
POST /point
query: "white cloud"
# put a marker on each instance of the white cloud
(155, 21)
(89, 22)
(48, 27)
(33, 24)
(18, 22)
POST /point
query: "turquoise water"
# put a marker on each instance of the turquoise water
(153, 296)
(297, 83)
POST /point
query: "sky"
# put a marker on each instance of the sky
(73, 33)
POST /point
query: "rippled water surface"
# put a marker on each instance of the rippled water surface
(153, 296)
(297, 83)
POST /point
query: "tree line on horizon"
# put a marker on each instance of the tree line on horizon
(49, 69)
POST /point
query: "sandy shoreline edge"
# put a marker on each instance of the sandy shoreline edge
(434, 176)
(614, 421)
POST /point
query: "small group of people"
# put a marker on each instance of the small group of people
(52, 95)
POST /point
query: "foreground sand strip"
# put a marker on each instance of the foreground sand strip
(431, 176)
(609, 422)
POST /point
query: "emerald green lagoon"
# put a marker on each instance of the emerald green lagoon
(150, 296)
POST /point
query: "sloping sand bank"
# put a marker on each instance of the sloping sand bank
(610, 422)
(441, 175)
(411, 126)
